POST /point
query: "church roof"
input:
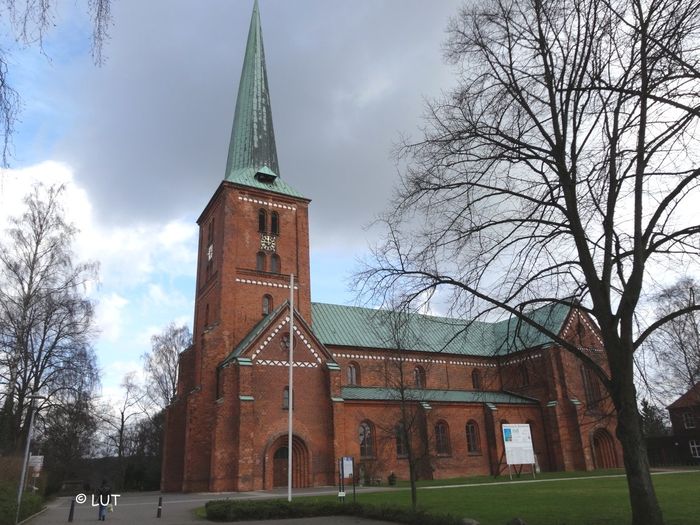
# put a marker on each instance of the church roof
(690, 399)
(364, 327)
(252, 155)
(361, 393)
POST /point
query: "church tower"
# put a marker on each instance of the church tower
(253, 234)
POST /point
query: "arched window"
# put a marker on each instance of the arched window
(260, 262)
(476, 379)
(419, 377)
(442, 438)
(285, 398)
(206, 315)
(591, 387)
(473, 444)
(524, 376)
(353, 373)
(266, 304)
(275, 267)
(262, 221)
(401, 444)
(274, 223)
(366, 439)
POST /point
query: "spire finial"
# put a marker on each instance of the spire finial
(252, 143)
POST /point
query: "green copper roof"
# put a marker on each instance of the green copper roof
(252, 155)
(360, 393)
(363, 327)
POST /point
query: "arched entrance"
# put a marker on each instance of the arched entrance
(604, 449)
(300, 463)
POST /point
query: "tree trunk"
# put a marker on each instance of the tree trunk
(645, 505)
(414, 493)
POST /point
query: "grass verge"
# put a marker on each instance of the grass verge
(574, 500)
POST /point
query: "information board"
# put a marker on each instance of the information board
(347, 466)
(518, 444)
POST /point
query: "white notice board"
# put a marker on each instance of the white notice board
(347, 466)
(518, 445)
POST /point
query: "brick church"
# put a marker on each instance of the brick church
(226, 429)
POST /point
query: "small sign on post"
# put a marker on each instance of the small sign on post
(346, 469)
(35, 463)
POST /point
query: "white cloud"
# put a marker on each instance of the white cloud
(146, 270)
(110, 310)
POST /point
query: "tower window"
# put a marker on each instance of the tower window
(262, 221)
(260, 262)
(275, 264)
(274, 223)
(266, 304)
(219, 382)
(285, 398)
(210, 249)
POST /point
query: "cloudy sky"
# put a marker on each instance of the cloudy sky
(141, 142)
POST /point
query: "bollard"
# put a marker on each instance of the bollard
(72, 510)
(160, 505)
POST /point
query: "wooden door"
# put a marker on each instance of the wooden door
(279, 467)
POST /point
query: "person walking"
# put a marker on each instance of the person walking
(104, 493)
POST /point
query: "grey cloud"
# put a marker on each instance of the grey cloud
(150, 136)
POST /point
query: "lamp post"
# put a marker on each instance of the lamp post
(26, 454)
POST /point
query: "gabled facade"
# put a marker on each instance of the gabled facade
(685, 422)
(227, 428)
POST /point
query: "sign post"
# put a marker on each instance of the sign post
(291, 387)
(346, 469)
(517, 443)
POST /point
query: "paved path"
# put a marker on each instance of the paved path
(178, 509)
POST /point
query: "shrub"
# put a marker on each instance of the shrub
(31, 504)
(237, 510)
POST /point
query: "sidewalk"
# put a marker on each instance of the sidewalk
(178, 509)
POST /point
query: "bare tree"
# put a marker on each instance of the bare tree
(46, 319)
(561, 166)
(29, 22)
(675, 347)
(161, 363)
(120, 422)
(406, 381)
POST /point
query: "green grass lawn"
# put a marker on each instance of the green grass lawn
(573, 501)
(525, 476)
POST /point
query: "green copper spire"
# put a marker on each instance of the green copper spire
(252, 155)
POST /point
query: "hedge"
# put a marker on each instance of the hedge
(242, 510)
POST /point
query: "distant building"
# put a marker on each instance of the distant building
(227, 428)
(683, 446)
